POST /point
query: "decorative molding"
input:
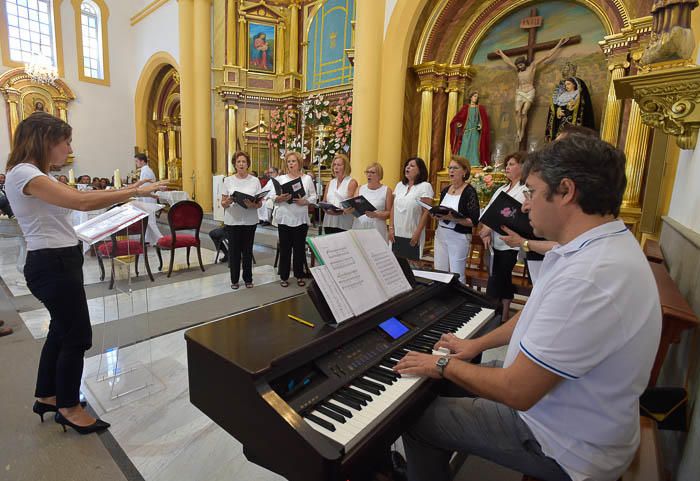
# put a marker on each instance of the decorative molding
(669, 98)
(147, 10)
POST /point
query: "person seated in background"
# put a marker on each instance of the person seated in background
(564, 405)
(104, 183)
(265, 211)
(217, 237)
(96, 183)
(2, 182)
(63, 179)
(84, 179)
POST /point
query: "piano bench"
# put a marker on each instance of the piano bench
(647, 464)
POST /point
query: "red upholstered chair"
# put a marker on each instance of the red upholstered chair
(183, 215)
(122, 243)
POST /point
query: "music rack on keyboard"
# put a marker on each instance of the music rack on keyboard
(318, 404)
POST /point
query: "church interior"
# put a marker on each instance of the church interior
(191, 82)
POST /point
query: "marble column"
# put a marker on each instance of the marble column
(437, 148)
(636, 147)
(231, 14)
(279, 48)
(368, 64)
(294, 36)
(187, 99)
(610, 125)
(202, 103)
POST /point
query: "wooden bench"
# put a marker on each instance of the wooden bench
(647, 464)
(652, 250)
(677, 316)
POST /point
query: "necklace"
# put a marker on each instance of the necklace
(453, 190)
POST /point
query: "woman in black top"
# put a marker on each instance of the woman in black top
(453, 235)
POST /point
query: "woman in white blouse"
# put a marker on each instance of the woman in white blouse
(408, 219)
(241, 221)
(380, 196)
(293, 220)
(500, 284)
(340, 188)
(54, 266)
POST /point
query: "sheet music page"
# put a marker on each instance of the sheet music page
(339, 306)
(349, 269)
(109, 222)
(434, 276)
(382, 261)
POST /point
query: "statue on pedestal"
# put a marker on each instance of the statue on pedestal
(571, 104)
(470, 135)
(671, 37)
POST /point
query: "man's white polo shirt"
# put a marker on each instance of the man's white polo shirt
(594, 319)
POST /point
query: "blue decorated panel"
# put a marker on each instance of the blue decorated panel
(329, 34)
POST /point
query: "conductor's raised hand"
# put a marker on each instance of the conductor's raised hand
(418, 364)
(151, 188)
(464, 349)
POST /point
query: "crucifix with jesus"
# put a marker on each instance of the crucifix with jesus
(526, 68)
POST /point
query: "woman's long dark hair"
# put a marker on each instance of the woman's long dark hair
(33, 139)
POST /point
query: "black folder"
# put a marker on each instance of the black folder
(360, 204)
(402, 248)
(294, 187)
(328, 207)
(507, 211)
(240, 198)
(440, 210)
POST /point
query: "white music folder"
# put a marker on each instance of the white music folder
(107, 223)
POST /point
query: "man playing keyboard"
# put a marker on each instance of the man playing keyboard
(564, 404)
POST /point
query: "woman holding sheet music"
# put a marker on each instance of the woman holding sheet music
(380, 196)
(408, 219)
(54, 265)
(500, 284)
(292, 217)
(240, 222)
(341, 188)
(453, 235)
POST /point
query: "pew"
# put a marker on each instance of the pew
(677, 316)
(652, 251)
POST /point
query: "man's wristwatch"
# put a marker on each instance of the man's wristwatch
(526, 245)
(442, 364)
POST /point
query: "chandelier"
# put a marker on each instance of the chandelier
(41, 70)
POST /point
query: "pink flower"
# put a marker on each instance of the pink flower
(349, 109)
(345, 140)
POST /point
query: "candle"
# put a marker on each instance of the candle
(117, 179)
(71, 177)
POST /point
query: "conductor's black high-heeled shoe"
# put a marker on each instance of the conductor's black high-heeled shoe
(98, 425)
(41, 408)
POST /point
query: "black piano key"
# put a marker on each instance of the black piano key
(321, 422)
(348, 401)
(330, 413)
(359, 383)
(379, 377)
(387, 372)
(339, 409)
(362, 396)
(371, 383)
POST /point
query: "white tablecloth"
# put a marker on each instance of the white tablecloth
(172, 196)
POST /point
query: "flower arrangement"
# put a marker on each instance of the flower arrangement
(295, 144)
(315, 110)
(342, 124)
(283, 122)
(486, 183)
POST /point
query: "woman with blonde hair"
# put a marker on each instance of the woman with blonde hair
(292, 220)
(54, 265)
(340, 188)
(380, 196)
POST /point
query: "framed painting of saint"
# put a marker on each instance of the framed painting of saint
(261, 47)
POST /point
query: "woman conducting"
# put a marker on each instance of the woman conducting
(379, 195)
(341, 188)
(54, 265)
(408, 219)
(240, 222)
(293, 220)
(453, 236)
(500, 284)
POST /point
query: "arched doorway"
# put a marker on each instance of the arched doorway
(163, 125)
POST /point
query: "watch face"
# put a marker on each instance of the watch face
(442, 362)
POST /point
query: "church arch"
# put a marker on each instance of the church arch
(143, 88)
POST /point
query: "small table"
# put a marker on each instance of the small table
(172, 196)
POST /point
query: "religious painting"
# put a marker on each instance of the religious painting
(261, 47)
(36, 101)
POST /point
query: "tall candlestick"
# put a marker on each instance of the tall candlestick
(117, 179)
(71, 177)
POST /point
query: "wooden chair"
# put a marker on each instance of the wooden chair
(183, 215)
(121, 244)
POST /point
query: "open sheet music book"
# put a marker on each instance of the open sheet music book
(504, 210)
(240, 198)
(358, 271)
(440, 210)
(360, 204)
(107, 223)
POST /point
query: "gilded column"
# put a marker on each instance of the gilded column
(610, 125)
(636, 146)
(14, 117)
(187, 99)
(172, 144)
(202, 103)
(425, 129)
(368, 64)
(231, 12)
(162, 170)
(279, 48)
(452, 108)
(241, 42)
(294, 36)
(231, 129)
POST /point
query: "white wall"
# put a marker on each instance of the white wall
(102, 117)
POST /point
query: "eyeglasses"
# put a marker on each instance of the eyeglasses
(370, 172)
(527, 193)
(453, 167)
